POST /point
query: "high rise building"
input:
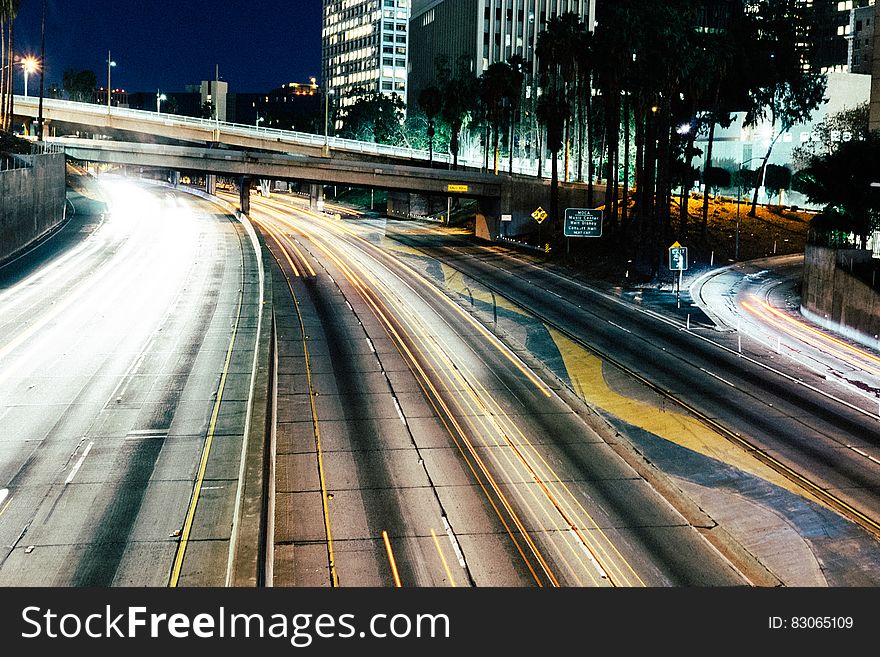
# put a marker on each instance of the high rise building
(364, 47)
(481, 32)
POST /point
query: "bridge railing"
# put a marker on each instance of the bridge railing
(241, 129)
(274, 134)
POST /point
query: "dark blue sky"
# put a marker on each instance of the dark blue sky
(167, 44)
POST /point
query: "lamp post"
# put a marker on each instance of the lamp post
(327, 93)
(159, 98)
(259, 120)
(110, 64)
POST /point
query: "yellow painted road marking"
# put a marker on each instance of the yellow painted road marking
(391, 559)
(206, 450)
(443, 558)
(585, 371)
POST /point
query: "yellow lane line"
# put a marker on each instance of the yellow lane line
(331, 558)
(443, 558)
(447, 413)
(391, 559)
(206, 450)
(564, 509)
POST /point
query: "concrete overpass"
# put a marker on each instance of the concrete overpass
(252, 153)
(99, 119)
(248, 165)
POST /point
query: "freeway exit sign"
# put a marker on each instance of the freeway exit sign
(582, 222)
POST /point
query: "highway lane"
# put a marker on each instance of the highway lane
(761, 300)
(531, 494)
(111, 349)
(794, 425)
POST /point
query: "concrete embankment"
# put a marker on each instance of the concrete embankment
(32, 197)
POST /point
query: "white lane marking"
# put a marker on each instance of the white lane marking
(349, 306)
(715, 376)
(454, 541)
(399, 410)
(372, 348)
(79, 463)
(619, 326)
(589, 554)
(855, 449)
(4, 493)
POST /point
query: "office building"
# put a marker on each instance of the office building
(480, 32)
(364, 47)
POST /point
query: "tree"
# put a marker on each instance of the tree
(499, 92)
(744, 180)
(715, 178)
(431, 102)
(8, 12)
(80, 85)
(458, 88)
(847, 124)
(785, 92)
(374, 117)
(555, 50)
(777, 178)
(842, 181)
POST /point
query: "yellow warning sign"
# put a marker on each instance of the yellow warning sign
(456, 188)
(539, 215)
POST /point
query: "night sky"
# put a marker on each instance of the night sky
(165, 44)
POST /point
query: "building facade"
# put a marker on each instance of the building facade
(480, 32)
(859, 34)
(364, 48)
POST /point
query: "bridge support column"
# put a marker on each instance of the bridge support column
(211, 183)
(244, 194)
(488, 219)
(316, 198)
(175, 178)
(265, 187)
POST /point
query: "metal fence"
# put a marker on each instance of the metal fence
(15, 161)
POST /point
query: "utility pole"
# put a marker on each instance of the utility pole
(42, 72)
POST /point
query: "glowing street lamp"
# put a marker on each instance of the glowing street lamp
(110, 64)
(29, 65)
(159, 98)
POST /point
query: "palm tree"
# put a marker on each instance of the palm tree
(458, 90)
(431, 102)
(8, 12)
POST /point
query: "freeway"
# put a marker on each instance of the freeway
(805, 440)
(414, 448)
(125, 353)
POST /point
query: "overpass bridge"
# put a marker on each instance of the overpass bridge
(113, 120)
(250, 152)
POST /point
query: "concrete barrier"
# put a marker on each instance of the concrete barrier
(837, 300)
(32, 202)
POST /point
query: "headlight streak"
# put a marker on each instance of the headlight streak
(812, 336)
(491, 414)
(454, 428)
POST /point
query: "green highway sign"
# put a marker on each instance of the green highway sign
(678, 257)
(582, 222)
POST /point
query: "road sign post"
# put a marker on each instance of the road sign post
(678, 261)
(582, 222)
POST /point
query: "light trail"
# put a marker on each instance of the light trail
(492, 418)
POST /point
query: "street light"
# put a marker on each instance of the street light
(327, 93)
(110, 64)
(159, 98)
(28, 65)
